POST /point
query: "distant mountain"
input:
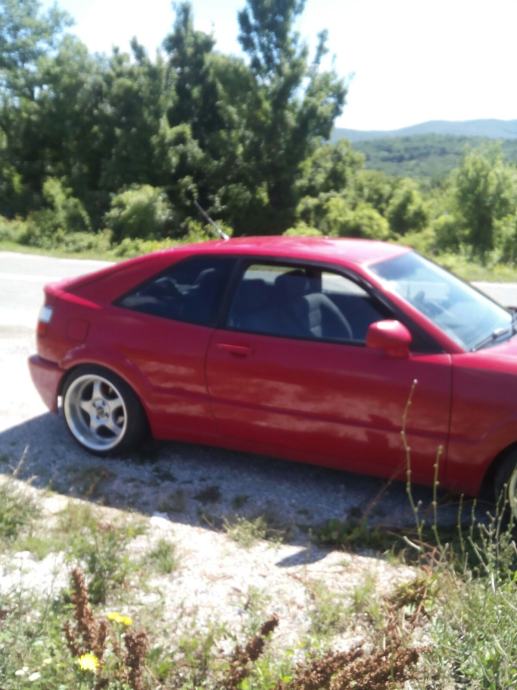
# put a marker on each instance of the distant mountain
(488, 129)
(430, 156)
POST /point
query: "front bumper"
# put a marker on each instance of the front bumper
(46, 377)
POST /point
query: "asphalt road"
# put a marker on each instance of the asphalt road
(22, 277)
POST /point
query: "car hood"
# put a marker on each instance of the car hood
(500, 357)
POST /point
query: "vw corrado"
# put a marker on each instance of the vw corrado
(306, 349)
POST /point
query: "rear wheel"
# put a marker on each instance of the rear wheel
(506, 486)
(101, 411)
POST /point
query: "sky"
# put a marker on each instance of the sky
(407, 61)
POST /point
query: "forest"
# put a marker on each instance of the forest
(110, 153)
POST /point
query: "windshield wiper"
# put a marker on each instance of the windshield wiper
(496, 334)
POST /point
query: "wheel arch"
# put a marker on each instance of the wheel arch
(488, 481)
(107, 370)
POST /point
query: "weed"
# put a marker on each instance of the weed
(255, 604)
(18, 510)
(194, 657)
(100, 547)
(243, 658)
(164, 557)
(328, 613)
(364, 600)
(247, 531)
(96, 645)
(356, 534)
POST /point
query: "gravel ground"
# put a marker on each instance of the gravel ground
(188, 493)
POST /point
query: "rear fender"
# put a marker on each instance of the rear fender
(111, 359)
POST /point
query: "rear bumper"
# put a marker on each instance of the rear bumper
(46, 377)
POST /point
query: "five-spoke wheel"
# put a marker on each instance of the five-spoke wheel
(101, 411)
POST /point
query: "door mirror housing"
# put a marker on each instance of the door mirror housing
(390, 336)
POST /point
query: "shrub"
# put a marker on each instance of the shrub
(449, 232)
(62, 214)
(135, 247)
(140, 212)
(334, 214)
(12, 230)
(17, 510)
(302, 230)
(407, 210)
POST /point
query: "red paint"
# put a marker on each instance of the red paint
(335, 404)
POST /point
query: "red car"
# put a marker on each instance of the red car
(306, 349)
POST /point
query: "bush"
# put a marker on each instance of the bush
(506, 238)
(423, 241)
(140, 212)
(363, 221)
(12, 230)
(87, 241)
(407, 210)
(302, 230)
(62, 215)
(136, 247)
(334, 214)
(449, 232)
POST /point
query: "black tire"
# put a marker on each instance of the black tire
(505, 485)
(102, 412)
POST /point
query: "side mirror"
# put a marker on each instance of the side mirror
(390, 336)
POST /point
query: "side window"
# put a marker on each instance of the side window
(304, 302)
(190, 290)
(358, 307)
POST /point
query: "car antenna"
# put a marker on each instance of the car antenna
(220, 233)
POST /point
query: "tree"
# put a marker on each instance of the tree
(26, 35)
(293, 103)
(484, 192)
(330, 168)
(406, 210)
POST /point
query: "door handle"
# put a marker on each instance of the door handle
(237, 350)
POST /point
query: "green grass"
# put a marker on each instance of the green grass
(18, 510)
(164, 557)
(461, 602)
(248, 531)
(328, 611)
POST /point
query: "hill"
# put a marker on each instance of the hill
(429, 150)
(488, 129)
(430, 156)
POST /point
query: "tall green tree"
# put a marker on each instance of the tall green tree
(407, 210)
(28, 35)
(293, 103)
(485, 192)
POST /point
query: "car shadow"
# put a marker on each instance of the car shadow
(303, 505)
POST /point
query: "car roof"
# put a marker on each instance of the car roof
(345, 251)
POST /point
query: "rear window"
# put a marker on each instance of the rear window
(189, 291)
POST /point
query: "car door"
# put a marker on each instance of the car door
(289, 374)
(163, 328)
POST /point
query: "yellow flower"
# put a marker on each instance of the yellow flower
(119, 618)
(88, 662)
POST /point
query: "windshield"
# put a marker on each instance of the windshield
(467, 316)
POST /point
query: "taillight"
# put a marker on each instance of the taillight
(44, 318)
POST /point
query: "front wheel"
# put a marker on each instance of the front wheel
(101, 411)
(506, 486)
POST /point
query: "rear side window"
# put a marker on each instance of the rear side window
(190, 291)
